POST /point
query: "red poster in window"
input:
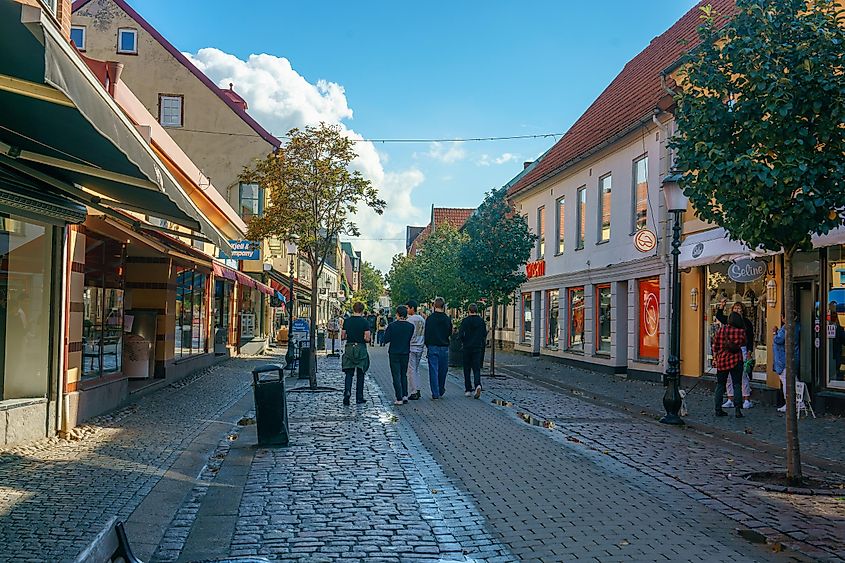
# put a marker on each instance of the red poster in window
(650, 318)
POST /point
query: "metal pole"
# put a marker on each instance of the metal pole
(290, 309)
(672, 397)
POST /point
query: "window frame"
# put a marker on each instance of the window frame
(84, 30)
(547, 341)
(634, 201)
(527, 296)
(120, 32)
(560, 220)
(541, 232)
(570, 346)
(259, 198)
(598, 318)
(581, 217)
(161, 98)
(600, 206)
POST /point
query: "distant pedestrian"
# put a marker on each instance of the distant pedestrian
(417, 348)
(473, 336)
(438, 329)
(356, 359)
(398, 334)
(727, 357)
(382, 326)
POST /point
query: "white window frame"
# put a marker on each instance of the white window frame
(161, 110)
(601, 239)
(120, 33)
(541, 232)
(560, 224)
(581, 217)
(634, 164)
(84, 36)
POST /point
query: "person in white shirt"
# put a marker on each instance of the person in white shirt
(417, 349)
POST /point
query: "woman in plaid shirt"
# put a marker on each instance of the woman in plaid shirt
(727, 358)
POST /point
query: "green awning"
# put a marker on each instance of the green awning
(85, 140)
(28, 198)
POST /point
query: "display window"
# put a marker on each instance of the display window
(602, 304)
(191, 313)
(552, 313)
(102, 298)
(835, 318)
(575, 334)
(722, 293)
(527, 317)
(649, 319)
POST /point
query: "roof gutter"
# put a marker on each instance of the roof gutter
(588, 153)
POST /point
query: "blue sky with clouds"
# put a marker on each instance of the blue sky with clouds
(417, 70)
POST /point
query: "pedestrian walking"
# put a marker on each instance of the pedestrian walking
(438, 329)
(356, 358)
(747, 354)
(398, 335)
(779, 346)
(473, 336)
(382, 326)
(417, 348)
(727, 357)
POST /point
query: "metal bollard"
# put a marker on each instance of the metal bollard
(271, 405)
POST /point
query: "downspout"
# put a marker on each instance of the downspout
(64, 319)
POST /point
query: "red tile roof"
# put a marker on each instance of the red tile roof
(455, 216)
(412, 251)
(229, 100)
(630, 98)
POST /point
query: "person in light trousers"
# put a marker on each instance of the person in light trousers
(416, 350)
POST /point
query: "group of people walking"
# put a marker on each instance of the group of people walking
(408, 337)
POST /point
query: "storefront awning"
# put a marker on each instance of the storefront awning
(223, 271)
(58, 120)
(24, 196)
(710, 247)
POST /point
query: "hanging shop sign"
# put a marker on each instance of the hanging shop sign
(535, 269)
(747, 270)
(645, 240)
(245, 250)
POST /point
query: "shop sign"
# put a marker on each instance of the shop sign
(645, 240)
(746, 270)
(300, 325)
(831, 330)
(649, 337)
(244, 250)
(535, 269)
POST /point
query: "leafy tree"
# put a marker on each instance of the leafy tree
(439, 268)
(404, 280)
(372, 286)
(311, 195)
(499, 243)
(760, 137)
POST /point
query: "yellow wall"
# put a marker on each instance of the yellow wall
(692, 324)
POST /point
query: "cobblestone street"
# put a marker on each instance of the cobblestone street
(448, 480)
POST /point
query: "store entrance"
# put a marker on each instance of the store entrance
(809, 340)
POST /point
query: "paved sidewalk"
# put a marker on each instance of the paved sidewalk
(550, 499)
(762, 424)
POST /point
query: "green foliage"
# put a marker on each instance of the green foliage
(372, 286)
(404, 280)
(760, 122)
(499, 243)
(440, 268)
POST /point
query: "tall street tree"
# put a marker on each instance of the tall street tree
(404, 280)
(760, 137)
(440, 269)
(311, 196)
(372, 286)
(498, 245)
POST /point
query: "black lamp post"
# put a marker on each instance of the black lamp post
(676, 203)
(292, 256)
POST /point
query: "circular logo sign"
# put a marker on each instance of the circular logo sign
(746, 270)
(645, 240)
(651, 308)
(698, 250)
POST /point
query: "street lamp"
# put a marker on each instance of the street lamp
(292, 251)
(676, 203)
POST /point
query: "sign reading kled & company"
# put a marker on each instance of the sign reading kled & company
(245, 250)
(535, 269)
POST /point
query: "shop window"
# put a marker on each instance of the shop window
(561, 209)
(527, 317)
(191, 313)
(640, 193)
(581, 223)
(102, 298)
(251, 200)
(605, 185)
(77, 36)
(552, 313)
(602, 312)
(575, 332)
(541, 233)
(171, 110)
(649, 319)
(835, 317)
(127, 41)
(26, 263)
(721, 295)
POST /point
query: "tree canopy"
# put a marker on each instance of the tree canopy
(372, 286)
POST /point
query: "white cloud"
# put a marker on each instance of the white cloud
(487, 160)
(444, 152)
(280, 98)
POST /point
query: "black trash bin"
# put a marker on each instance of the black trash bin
(271, 405)
(305, 360)
(321, 340)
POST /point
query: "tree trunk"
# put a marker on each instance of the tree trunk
(312, 334)
(494, 319)
(793, 453)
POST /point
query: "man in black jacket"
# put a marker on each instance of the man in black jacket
(398, 335)
(438, 329)
(473, 335)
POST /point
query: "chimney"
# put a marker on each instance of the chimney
(113, 71)
(526, 164)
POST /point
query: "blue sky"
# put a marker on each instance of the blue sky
(418, 70)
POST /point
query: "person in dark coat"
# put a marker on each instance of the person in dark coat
(356, 360)
(438, 329)
(398, 336)
(473, 336)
